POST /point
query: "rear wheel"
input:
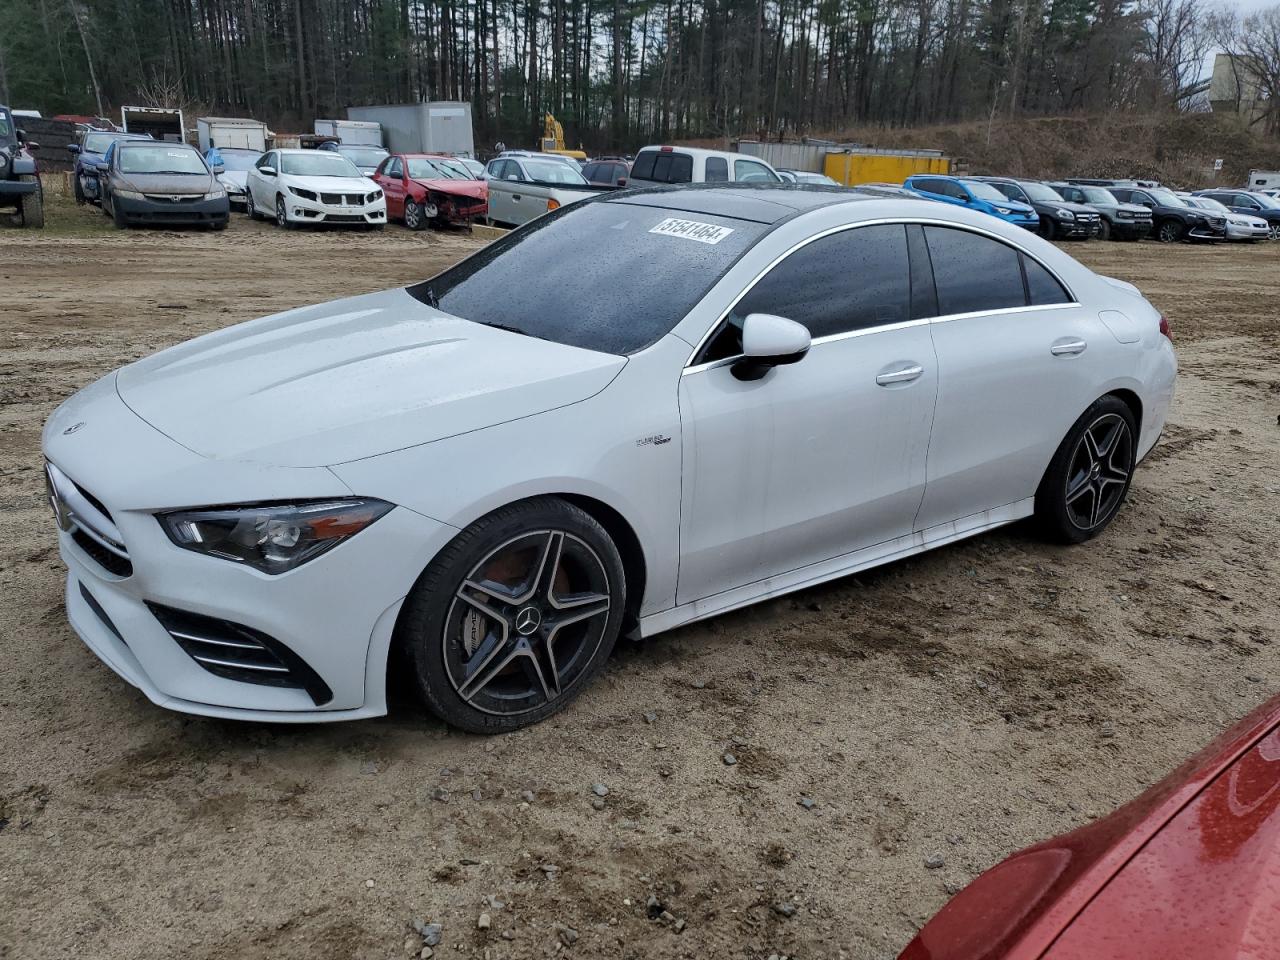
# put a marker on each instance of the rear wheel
(1169, 231)
(515, 616)
(32, 207)
(1089, 475)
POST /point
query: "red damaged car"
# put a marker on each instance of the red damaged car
(1188, 871)
(422, 188)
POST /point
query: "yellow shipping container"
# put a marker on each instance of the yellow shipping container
(854, 168)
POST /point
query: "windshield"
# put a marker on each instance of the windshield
(1166, 199)
(317, 164)
(161, 158)
(6, 128)
(552, 171)
(1267, 202)
(1208, 203)
(364, 156)
(1038, 191)
(238, 159)
(97, 142)
(1098, 195)
(985, 191)
(536, 280)
(815, 178)
(420, 169)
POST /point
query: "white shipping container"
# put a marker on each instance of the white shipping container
(351, 132)
(438, 126)
(232, 132)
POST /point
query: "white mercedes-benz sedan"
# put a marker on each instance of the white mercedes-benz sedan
(486, 477)
(312, 186)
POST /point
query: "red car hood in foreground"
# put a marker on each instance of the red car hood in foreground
(1188, 871)
(475, 189)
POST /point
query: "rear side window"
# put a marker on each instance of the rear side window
(663, 167)
(590, 170)
(973, 273)
(847, 281)
(717, 170)
(1042, 288)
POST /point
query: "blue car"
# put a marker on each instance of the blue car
(89, 153)
(975, 195)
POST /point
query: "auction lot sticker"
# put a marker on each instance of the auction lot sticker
(692, 230)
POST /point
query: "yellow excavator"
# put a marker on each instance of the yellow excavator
(553, 139)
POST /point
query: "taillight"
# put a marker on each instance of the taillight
(1164, 328)
(553, 204)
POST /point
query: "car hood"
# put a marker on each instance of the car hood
(234, 178)
(1075, 208)
(167, 183)
(476, 189)
(350, 379)
(1014, 206)
(329, 184)
(1135, 208)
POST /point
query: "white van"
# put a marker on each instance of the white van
(692, 165)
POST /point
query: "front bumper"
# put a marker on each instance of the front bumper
(1130, 229)
(1027, 223)
(335, 614)
(1235, 232)
(462, 210)
(1079, 228)
(18, 187)
(300, 210)
(147, 210)
(1208, 231)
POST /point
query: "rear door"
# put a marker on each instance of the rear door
(822, 457)
(1018, 359)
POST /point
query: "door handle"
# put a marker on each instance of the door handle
(515, 196)
(1068, 347)
(901, 375)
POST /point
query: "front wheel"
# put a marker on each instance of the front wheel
(515, 616)
(1089, 475)
(32, 203)
(251, 208)
(1048, 229)
(1274, 232)
(414, 218)
(1104, 229)
(282, 215)
(1169, 231)
(118, 217)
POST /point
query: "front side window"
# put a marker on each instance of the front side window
(394, 168)
(268, 160)
(851, 280)
(537, 282)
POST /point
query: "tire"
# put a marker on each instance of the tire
(511, 664)
(252, 209)
(1275, 231)
(1169, 231)
(1104, 228)
(1089, 475)
(282, 216)
(221, 224)
(118, 218)
(1048, 229)
(32, 206)
(414, 218)
(78, 189)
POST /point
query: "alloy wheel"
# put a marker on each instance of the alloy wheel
(1275, 231)
(1169, 232)
(526, 622)
(282, 217)
(1099, 472)
(412, 215)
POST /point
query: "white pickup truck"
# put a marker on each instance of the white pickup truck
(523, 187)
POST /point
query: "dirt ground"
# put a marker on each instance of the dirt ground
(961, 704)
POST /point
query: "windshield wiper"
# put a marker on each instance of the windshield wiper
(510, 329)
(430, 299)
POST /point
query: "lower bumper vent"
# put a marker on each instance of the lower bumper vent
(241, 653)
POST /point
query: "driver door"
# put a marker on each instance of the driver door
(262, 187)
(822, 457)
(390, 177)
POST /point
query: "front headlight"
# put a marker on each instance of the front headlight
(1005, 210)
(304, 194)
(1064, 215)
(128, 194)
(273, 538)
(217, 193)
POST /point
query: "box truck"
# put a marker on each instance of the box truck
(161, 123)
(440, 126)
(353, 133)
(232, 132)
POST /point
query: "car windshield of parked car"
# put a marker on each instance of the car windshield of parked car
(364, 156)
(820, 178)
(535, 280)
(97, 142)
(1098, 195)
(6, 130)
(985, 191)
(161, 158)
(317, 164)
(420, 169)
(1267, 202)
(238, 159)
(552, 171)
(1038, 191)
(1166, 199)
(1208, 203)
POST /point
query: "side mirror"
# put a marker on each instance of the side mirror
(512, 177)
(622, 181)
(267, 171)
(769, 341)
(73, 148)
(218, 168)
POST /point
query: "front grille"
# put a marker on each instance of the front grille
(343, 218)
(346, 199)
(1217, 222)
(240, 653)
(88, 521)
(169, 198)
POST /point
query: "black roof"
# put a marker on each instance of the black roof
(758, 202)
